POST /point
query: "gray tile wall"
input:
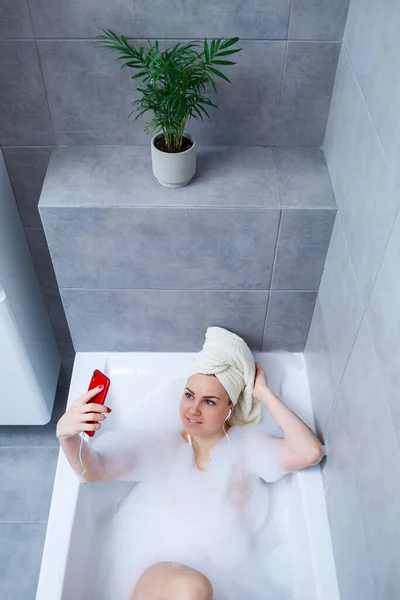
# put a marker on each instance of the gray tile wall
(28, 457)
(353, 348)
(142, 268)
(281, 84)
(57, 88)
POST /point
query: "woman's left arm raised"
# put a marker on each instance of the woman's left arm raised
(300, 447)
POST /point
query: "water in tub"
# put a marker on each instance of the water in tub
(231, 522)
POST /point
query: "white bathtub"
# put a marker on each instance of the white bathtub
(71, 543)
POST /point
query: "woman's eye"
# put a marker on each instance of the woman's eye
(187, 394)
(210, 402)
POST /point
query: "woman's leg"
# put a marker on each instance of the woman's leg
(172, 581)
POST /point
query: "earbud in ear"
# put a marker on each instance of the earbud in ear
(229, 414)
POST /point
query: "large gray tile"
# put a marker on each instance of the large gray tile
(41, 259)
(288, 320)
(21, 551)
(307, 88)
(56, 313)
(25, 117)
(341, 303)
(384, 319)
(248, 108)
(366, 190)
(318, 19)
(162, 247)
(226, 176)
(26, 476)
(350, 546)
(376, 455)
(67, 354)
(74, 18)
(15, 21)
(33, 435)
(91, 97)
(302, 178)
(160, 320)
(303, 242)
(27, 168)
(371, 40)
(319, 369)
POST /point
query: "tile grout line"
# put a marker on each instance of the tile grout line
(357, 491)
(144, 40)
(289, 19)
(309, 325)
(186, 290)
(132, 206)
(119, 146)
(29, 146)
(349, 439)
(15, 522)
(396, 216)
(370, 115)
(391, 229)
(272, 275)
(358, 328)
(283, 74)
(388, 164)
(280, 94)
(382, 384)
(19, 208)
(265, 322)
(275, 178)
(329, 111)
(42, 76)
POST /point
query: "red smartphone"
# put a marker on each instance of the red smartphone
(98, 378)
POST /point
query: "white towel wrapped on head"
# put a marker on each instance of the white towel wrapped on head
(228, 357)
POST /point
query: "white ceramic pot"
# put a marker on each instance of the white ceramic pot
(174, 169)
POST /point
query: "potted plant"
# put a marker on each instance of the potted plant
(173, 84)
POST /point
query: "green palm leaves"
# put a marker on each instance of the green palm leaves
(174, 81)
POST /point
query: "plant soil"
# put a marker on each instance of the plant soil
(161, 145)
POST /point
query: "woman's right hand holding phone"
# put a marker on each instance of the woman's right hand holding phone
(80, 414)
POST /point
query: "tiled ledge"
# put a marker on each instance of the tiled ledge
(245, 250)
(226, 176)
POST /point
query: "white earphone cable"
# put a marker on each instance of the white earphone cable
(223, 427)
(83, 466)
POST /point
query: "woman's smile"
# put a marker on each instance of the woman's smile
(193, 421)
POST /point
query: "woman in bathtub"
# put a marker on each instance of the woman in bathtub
(188, 531)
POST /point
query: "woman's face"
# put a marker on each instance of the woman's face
(204, 405)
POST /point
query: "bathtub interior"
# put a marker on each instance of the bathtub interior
(136, 378)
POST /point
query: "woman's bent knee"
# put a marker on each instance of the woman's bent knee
(189, 584)
(172, 581)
